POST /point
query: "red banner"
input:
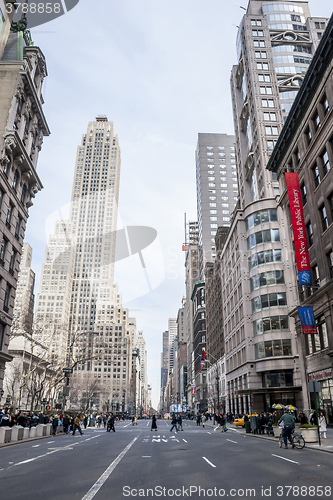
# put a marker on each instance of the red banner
(297, 219)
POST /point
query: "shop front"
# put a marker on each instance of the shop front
(325, 397)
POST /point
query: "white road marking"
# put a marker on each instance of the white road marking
(177, 440)
(216, 428)
(35, 446)
(185, 440)
(231, 441)
(99, 483)
(146, 456)
(283, 458)
(210, 463)
(155, 440)
(46, 454)
(49, 442)
(208, 432)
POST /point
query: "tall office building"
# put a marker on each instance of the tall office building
(217, 190)
(87, 324)
(275, 44)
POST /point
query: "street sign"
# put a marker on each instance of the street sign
(67, 370)
(314, 386)
(44, 402)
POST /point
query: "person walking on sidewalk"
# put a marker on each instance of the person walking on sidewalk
(322, 424)
(76, 425)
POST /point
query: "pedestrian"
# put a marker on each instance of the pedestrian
(198, 419)
(65, 423)
(76, 425)
(154, 423)
(110, 423)
(174, 423)
(55, 424)
(223, 423)
(322, 424)
(180, 422)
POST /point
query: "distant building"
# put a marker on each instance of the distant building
(217, 190)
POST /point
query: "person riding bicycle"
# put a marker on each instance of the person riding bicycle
(289, 424)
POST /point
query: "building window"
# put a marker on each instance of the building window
(24, 192)
(325, 162)
(325, 105)
(330, 201)
(266, 90)
(6, 299)
(266, 279)
(316, 121)
(18, 227)
(278, 379)
(316, 175)
(269, 300)
(9, 215)
(261, 218)
(271, 130)
(330, 263)
(315, 275)
(265, 257)
(270, 117)
(270, 348)
(3, 251)
(304, 196)
(323, 216)
(309, 232)
(267, 103)
(308, 135)
(270, 324)
(12, 262)
(318, 341)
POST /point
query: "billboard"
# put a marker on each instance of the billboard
(297, 219)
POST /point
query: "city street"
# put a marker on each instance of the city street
(137, 462)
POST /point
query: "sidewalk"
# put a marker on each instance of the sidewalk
(326, 444)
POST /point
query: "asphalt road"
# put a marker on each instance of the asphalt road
(137, 462)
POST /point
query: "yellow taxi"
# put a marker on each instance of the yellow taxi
(240, 421)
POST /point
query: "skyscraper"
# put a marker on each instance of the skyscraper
(217, 190)
(89, 328)
(275, 43)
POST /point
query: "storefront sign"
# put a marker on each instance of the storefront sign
(321, 375)
(193, 389)
(297, 219)
(308, 321)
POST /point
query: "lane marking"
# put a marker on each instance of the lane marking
(49, 442)
(283, 458)
(146, 456)
(99, 483)
(208, 432)
(45, 454)
(216, 428)
(184, 440)
(231, 441)
(35, 446)
(210, 463)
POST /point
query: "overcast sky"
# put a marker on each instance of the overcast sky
(159, 69)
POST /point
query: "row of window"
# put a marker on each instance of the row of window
(282, 7)
(270, 324)
(267, 278)
(261, 217)
(319, 341)
(271, 348)
(266, 257)
(269, 300)
(261, 237)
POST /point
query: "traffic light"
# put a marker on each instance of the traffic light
(48, 407)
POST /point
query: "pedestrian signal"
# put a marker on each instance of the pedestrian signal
(48, 407)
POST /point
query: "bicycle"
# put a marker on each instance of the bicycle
(297, 440)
